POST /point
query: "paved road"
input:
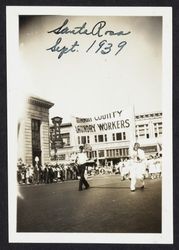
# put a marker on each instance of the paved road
(108, 206)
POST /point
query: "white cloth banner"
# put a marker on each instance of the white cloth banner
(121, 120)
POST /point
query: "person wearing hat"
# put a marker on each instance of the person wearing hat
(81, 161)
(137, 168)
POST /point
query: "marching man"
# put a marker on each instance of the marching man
(81, 161)
(137, 169)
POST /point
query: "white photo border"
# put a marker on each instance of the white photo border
(12, 35)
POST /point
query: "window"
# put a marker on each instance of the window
(123, 151)
(160, 130)
(113, 137)
(100, 138)
(78, 139)
(118, 136)
(124, 136)
(101, 153)
(35, 134)
(141, 131)
(113, 152)
(94, 153)
(88, 139)
(127, 151)
(156, 135)
(66, 139)
(147, 136)
(95, 138)
(105, 137)
(83, 139)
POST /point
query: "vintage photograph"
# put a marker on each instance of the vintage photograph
(89, 107)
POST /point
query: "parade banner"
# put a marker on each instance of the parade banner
(121, 120)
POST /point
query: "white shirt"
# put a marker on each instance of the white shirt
(81, 158)
(138, 155)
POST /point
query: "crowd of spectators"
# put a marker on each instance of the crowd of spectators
(55, 172)
(49, 173)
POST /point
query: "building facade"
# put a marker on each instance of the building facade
(149, 131)
(110, 147)
(33, 132)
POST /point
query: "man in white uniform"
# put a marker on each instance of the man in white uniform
(81, 161)
(137, 168)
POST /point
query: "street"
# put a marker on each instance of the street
(108, 206)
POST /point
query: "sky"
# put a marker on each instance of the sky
(90, 83)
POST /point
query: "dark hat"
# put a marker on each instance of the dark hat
(136, 144)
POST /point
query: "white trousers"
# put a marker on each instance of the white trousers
(136, 173)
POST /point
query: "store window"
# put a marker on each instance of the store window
(94, 154)
(121, 152)
(117, 152)
(127, 151)
(101, 153)
(66, 139)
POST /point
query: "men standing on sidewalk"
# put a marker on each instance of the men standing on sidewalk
(81, 161)
(137, 169)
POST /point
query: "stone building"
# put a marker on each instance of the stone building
(33, 131)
